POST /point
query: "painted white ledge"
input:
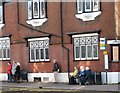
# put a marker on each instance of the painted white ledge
(88, 16)
(37, 22)
(1, 25)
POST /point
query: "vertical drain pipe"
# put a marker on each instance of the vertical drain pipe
(61, 29)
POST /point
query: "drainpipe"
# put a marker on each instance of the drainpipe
(61, 29)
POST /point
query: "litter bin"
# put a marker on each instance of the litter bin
(97, 78)
(24, 75)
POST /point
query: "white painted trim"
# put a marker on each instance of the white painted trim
(113, 77)
(62, 77)
(35, 39)
(82, 35)
(113, 41)
(1, 25)
(36, 22)
(4, 38)
(88, 16)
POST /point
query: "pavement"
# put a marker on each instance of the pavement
(37, 86)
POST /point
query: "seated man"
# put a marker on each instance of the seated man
(88, 75)
(82, 75)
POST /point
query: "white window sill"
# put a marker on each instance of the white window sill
(1, 25)
(36, 22)
(88, 16)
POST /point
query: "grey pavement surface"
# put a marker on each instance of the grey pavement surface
(61, 86)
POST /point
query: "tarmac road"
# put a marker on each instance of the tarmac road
(38, 87)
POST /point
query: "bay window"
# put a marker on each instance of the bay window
(88, 9)
(36, 12)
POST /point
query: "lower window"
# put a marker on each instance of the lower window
(86, 47)
(39, 50)
(5, 48)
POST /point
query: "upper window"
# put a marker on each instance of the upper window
(36, 9)
(39, 49)
(1, 12)
(86, 47)
(88, 9)
(84, 6)
(5, 48)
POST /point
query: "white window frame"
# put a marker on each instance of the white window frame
(39, 19)
(38, 5)
(92, 44)
(78, 6)
(87, 52)
(31, 11)
(98, 5)
(75, 53)
(6, 48)
(44, 15)
(81, 52)
(88, 10)
(93, 51)
(39, 48)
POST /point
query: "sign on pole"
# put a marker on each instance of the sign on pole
(106, 61)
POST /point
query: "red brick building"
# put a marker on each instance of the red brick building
(75, 33)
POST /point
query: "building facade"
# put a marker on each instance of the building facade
(36, 32)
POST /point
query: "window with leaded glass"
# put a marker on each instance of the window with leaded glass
(36, 9)
(1, 12)
(84, 6)
(39, 49)
(5, 48)
(86, 47)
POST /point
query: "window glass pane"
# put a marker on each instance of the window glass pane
(37, 54)
(8, 53)
(83, 51)
(89, 51)
(115, 53)
(77, 52)
(29, 9)
(41, 53)
(0, 53)
(35, 8)
(42, 8)
(32, 54)
(87, 5)
(96, 5)
(46, 53)
(4, 53)
(79, 6)
(1, 13)
(95, 51)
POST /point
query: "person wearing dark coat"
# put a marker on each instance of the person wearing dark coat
(88, 75)
(17, 73)
(56, 70)
(82, 75)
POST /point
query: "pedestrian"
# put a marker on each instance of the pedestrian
(14, 65)
(56, 70)
(9, 68)
(17, 73)
(82, 75)
(88, 75)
